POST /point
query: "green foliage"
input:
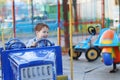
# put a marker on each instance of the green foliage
(2, 2)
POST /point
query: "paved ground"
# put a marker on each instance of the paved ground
(84, 70)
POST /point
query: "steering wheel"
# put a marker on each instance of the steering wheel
(12, 40)
(44, 43)
(91, 30)
(16, 45)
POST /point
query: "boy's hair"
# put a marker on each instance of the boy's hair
(39, 26)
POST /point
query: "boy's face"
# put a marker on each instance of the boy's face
(43, 33)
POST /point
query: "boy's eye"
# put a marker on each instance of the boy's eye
(45, 32)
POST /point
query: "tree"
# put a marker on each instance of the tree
(75, 15)
(2, 3)
(117, 2)
(66, 25)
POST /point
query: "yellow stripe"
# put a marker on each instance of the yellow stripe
(106, 42)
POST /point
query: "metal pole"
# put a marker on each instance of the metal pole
(103, 13)
(119, 16)
(119, 12)
(70, 29)
(13, 16)
(59, 33)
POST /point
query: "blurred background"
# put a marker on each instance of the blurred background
(18, 18)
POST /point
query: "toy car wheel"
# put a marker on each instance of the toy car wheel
(92, 54)
(76, 55)
(98, 49)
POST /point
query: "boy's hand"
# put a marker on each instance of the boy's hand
(33, 44)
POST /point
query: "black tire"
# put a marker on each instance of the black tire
(92, 54)
(98, 49)
(91, 30)
(76, 55)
